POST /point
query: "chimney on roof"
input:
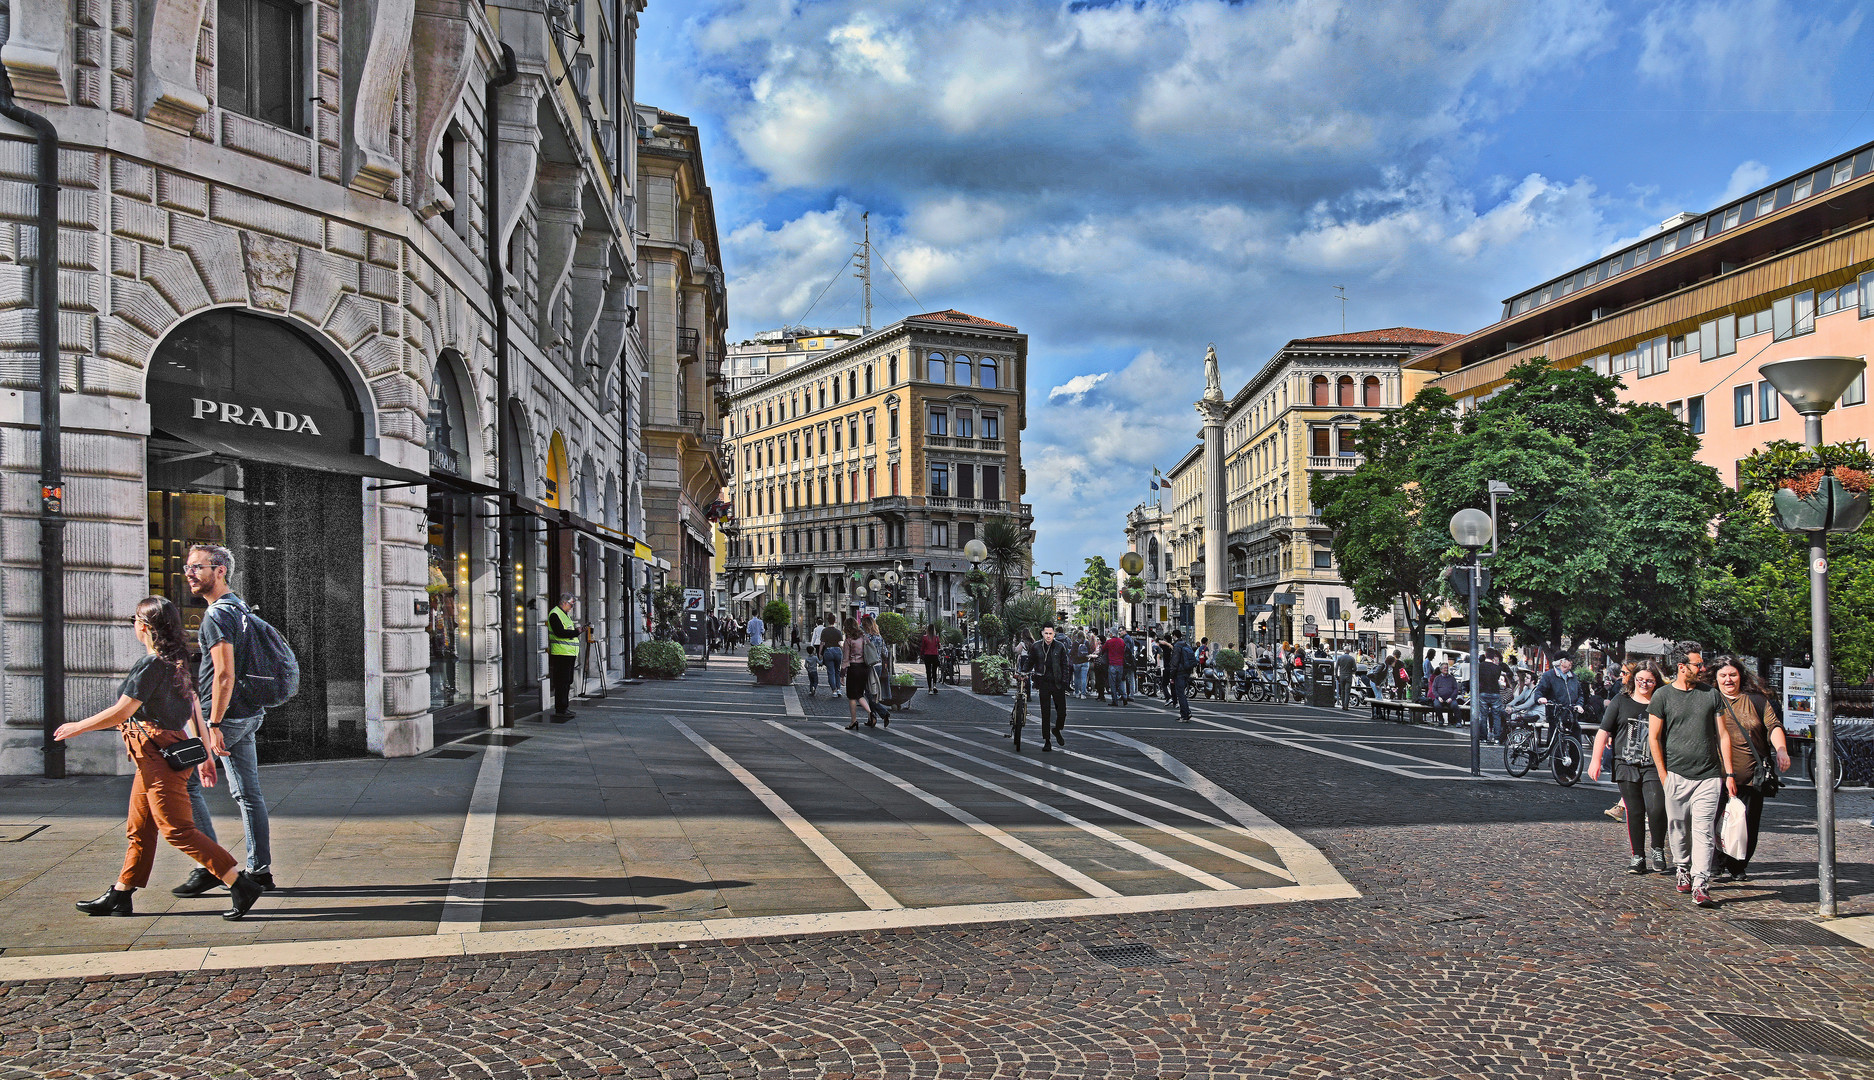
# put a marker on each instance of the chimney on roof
(1676, 220)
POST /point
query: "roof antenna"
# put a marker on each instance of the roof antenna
(1342, 289)
(864, 272)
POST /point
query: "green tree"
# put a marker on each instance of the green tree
(1030, 612)
(1756, 587)
(776, 615)
(1610, 522)
(1098, 590)
(1388, 547)
(667, 608)
(1008, 546)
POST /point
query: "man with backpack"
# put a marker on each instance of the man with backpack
(233, 722)
(1183, 662)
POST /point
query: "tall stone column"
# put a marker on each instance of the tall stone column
(1216, 612)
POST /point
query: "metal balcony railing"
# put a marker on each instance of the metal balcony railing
(689, 341)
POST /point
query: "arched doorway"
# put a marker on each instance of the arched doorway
(257, 444)
(448, 547)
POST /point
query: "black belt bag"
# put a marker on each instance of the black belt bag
(185, 755)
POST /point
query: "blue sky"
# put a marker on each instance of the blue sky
(1127, 181)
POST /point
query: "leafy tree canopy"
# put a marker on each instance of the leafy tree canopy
(1098, 590)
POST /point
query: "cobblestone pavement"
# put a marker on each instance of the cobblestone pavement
(1496, 936)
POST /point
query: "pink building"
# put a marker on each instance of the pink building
(1687, 317)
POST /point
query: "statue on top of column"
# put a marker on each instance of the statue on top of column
(1213, 379)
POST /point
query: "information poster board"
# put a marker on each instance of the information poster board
(1798, 700)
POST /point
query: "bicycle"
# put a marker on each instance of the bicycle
(1547, 739)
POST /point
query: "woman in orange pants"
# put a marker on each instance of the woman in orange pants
(156, 706)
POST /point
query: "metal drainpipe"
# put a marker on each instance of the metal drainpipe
(51, 462)
(497, 286)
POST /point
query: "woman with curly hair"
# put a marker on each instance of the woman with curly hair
(156, 708)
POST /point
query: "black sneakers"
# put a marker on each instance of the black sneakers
(1636, 865)
(200, 882)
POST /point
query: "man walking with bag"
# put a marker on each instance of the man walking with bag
(1053, 669)
(1182, 662)
(232, 723)
(1685, 742)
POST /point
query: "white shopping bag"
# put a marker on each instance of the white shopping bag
(1733, 830)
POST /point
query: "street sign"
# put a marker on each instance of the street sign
(692, 599)
(1283, 599)
(1259, 608)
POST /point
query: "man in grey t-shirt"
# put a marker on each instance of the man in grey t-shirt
(1683, 733)
(230, 734)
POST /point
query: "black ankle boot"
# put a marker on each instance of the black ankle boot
(112, 902)
(244, 890)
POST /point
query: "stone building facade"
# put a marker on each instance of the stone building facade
(1294, 419)
(281, 330)
(883, 455)
(685, 315)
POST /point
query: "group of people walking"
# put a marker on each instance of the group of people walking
(1682, 750)
(853, 654)
(161, 715)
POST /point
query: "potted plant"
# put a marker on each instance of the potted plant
(992, 675)
(903, 689)
(658, 659)
(1821, 488)
(1230, 660)
(773, 666)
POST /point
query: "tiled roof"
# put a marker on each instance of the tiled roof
(1395, 335)
(952, 315)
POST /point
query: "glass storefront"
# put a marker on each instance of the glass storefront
(295, 534)
(449, 550)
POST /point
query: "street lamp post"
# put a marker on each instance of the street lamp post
(1812, 385)
(1472, 529)
(976, 551)
(1131, 563)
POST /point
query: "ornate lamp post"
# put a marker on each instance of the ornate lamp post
(1812, 385)
(976, 551)
(1473, 530)
(891, 587)
(1132, 563)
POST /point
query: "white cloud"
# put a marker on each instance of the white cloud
(1747, 52)
(1126, 181)
(1745, 179)
(1078, 386)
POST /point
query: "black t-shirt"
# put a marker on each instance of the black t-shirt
(153, 682)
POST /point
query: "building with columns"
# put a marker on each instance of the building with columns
(1182, 523)
(349, 289)
(1294, 418)
(1146, 534)
(884, 454)
(682, 320)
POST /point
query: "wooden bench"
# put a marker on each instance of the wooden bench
(1401, 712)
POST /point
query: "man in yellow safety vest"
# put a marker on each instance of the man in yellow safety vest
(562, 653)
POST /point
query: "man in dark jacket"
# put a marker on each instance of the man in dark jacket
(1444, 695)
(1559, 686)
(1052, 666)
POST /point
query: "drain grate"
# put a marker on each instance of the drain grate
(1791, 932)
(13, 834)
(1793, 1036)
(1134, 955)
(453, 755)
(495, 738)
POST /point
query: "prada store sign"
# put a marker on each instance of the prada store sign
(256, 416)
(255, 389)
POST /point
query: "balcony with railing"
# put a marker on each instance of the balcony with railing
(1335, 461)
(937, 440)
(689, 341)
(712, 367)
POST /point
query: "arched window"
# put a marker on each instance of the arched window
(1346, 390)
(1154, 558)
(868, 378)
(1320, 390)
(938, 373)
(963, 371)
(892, 374)
(1373, 392)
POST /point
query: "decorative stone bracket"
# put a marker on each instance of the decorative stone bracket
(442, 40)
(166, 92)
(38, 52)
(377, 44)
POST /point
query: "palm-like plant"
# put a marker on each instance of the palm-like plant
(1008, 556)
